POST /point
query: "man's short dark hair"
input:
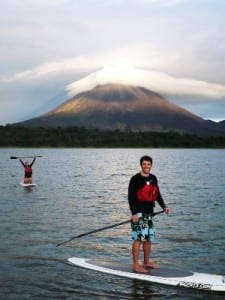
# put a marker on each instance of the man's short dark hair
(145, 157)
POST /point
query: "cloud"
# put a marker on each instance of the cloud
(156, 81)
(49, 69)
(45, 45)
(142, 55)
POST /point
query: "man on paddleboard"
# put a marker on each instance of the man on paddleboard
(143, 191)
(28, 170)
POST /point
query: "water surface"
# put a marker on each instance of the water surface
(79, 190)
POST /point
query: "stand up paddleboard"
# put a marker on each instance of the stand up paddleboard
(162, 275)
(27, 184)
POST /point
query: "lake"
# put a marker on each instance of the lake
(79, 190)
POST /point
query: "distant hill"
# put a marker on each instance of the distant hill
(222, 125)
(127, 108)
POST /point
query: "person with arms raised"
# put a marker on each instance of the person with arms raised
(28, 170)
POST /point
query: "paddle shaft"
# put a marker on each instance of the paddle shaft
(18, 157)
(103, 228)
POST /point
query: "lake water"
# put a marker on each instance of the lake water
(79, 190)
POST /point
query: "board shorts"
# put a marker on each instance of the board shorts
(144, 229)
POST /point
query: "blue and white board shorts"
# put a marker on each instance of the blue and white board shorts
(144, 229)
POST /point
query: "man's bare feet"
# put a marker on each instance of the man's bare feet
(139, 269)
(151, 264)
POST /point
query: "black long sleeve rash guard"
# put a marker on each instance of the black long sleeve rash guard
(138, 181)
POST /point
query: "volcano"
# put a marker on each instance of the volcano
(126, 108)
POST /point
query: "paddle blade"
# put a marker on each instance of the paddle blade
(16, 157)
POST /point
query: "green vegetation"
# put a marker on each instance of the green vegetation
(13, 136)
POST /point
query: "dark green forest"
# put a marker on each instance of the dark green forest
(13, 136)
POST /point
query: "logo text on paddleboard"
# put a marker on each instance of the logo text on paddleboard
(195, 285)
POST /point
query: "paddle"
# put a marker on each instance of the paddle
(18, 157)
(103, 228)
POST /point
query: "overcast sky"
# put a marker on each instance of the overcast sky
(52, 48)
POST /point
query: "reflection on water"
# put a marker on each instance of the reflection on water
(79, 190)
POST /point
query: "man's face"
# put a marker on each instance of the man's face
(146, 167)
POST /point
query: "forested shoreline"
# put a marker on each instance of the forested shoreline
(75, 137)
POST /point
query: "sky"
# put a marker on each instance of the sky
(52, 49)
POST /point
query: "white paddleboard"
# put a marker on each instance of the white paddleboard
(27, 184)
(162, 275)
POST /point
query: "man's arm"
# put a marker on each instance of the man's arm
(132, 197)
(162, 203)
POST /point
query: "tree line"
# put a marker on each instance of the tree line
(74, 137)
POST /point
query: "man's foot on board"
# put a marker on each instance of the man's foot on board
(151, 264)
(140, 269)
